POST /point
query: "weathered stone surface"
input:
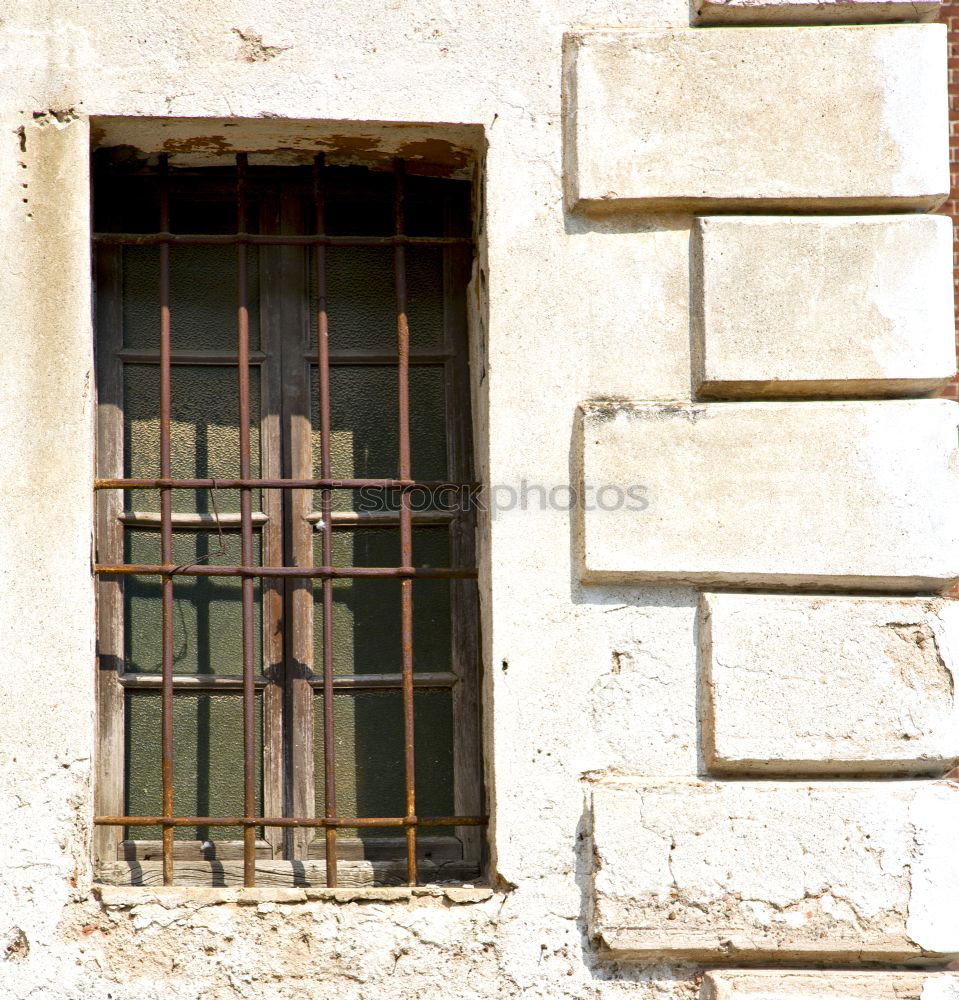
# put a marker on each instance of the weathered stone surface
(785, 985)
(811, 11)
(727, 871)
(811, 117)
(844, 306)
(826, 494)
(826, 684)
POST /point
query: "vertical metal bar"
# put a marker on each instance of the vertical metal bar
(406, 528)
(326, 507)
(246, 532)
(166, 528)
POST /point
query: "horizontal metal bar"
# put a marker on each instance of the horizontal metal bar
(376, 518)
(293, 572)
(274, 239)
(286, 821)
(277, 484)
(153, 519)
(234, 682)
(188, 357)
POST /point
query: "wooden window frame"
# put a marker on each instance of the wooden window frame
(285, 524)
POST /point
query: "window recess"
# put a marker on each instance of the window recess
(287, 647)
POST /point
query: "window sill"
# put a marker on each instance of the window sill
(125, 897)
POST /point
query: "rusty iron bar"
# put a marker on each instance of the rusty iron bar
(166, 530)
(291, 821)
(270, 239)
(296, 572)
(406, 527)
(326, 507)
(166, 482)
(246, 529)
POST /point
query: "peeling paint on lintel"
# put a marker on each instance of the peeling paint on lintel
(438, 149)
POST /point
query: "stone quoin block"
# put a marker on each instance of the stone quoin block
(788, 985)
(806, 494)
(843, 306)
(721, 12)
(812, 117)
(827, 684)
(733, 871)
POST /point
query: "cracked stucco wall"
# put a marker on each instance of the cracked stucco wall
(581, 680)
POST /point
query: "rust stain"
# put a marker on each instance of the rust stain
(437, 152)
(216, 144)
(424, 156)
(356, 145)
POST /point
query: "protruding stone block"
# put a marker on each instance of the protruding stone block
(813, 117)
(789, 985)
(827, 306)
(829, 684)
(724, 872)
(812, 11)
(827, 494)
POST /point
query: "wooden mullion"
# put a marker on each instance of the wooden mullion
(292, 291)
(110, 763)
(271, 503)
(468, 797)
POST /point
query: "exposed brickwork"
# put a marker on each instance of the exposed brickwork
(949, 15)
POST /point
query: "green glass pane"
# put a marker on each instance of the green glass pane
(207, 761)
(361, 299)
(366, 612)
(207, 612)
(204, 432)
(428, 423)
(203, 298)
(363, 422)
(368, 742)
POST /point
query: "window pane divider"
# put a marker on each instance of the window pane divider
(135, 357)
(275, 239)
(166, 529)
(377, 518)
(200, 522)
(381, 358)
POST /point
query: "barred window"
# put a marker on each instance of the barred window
(287, 645)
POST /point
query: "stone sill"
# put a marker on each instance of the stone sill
(124, 897)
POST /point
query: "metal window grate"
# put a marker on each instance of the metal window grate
(247, 571)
